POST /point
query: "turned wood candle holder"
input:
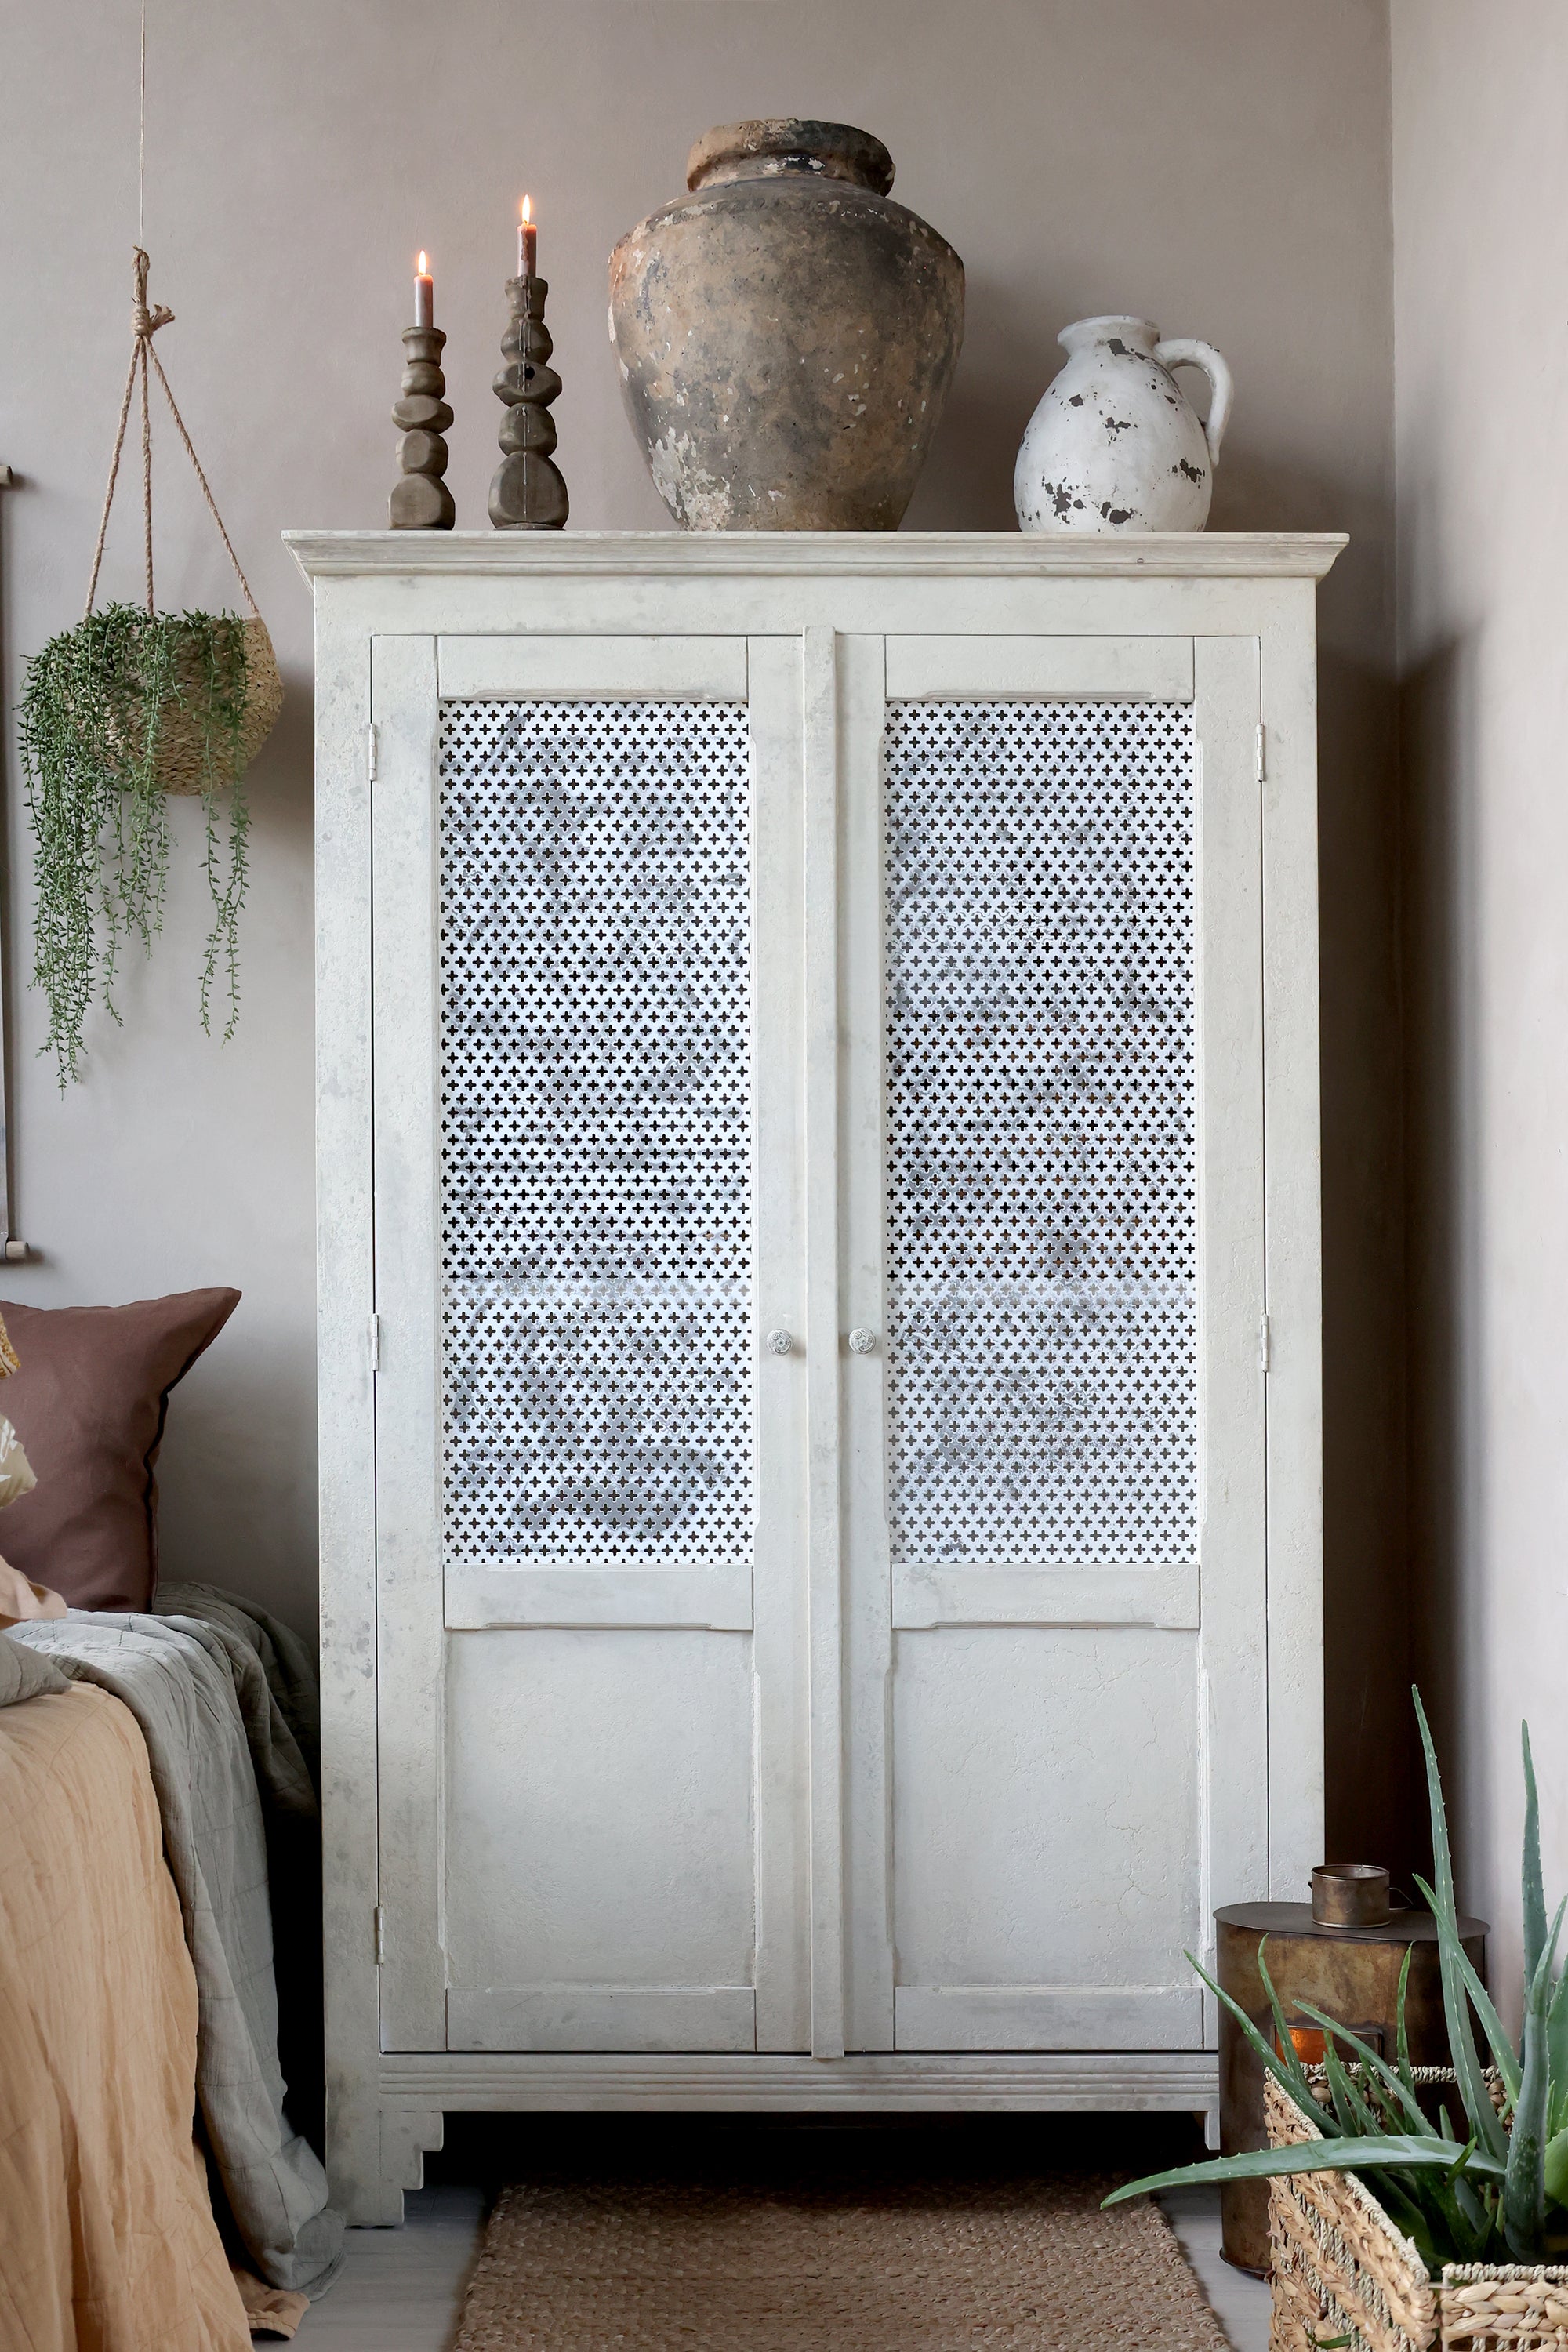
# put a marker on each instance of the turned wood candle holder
(526, 493)
(421, 500)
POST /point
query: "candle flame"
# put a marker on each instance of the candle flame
(524, 210)
(423, 265)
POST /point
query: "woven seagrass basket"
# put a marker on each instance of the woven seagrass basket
(181, 756)
(1344, 2273)
(180, 752)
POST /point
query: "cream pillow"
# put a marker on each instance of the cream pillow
(16, 1471)
(19, 1600)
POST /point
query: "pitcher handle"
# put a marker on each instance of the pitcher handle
(1183, 350)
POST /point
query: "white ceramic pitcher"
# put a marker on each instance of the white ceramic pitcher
(1114, 445)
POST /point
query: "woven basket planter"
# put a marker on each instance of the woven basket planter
(1343, 2270)
(181, 748)
(181, 732)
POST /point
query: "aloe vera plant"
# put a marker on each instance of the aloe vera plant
(1501, 2193)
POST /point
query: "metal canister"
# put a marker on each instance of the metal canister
(1351, 1894)
(1350, 1972)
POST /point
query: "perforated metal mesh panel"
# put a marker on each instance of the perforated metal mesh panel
(1042, 1376)
(595, 1132)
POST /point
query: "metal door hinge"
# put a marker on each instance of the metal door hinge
(370, 754)
(379, 1919)
(372, 1338)
(1265, 1338)
(1260, 754)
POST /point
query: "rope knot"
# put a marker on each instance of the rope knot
(145, 320)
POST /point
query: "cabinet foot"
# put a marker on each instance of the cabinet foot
(374, 2155)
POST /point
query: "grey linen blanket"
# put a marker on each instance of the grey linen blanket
(225, 1698)
(24, 1674)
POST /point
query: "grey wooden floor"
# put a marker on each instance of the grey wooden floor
(1240, 2303)
(402, 2290)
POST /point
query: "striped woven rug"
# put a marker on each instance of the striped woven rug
(859, 2265)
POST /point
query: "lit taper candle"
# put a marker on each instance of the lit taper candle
(527, 241)
(424, 294)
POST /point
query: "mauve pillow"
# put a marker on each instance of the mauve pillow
(88, 1405)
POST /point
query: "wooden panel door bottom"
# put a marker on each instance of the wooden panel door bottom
(1046, 2017)
(604, 2017)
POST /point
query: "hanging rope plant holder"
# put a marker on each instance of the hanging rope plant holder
(183, 761)
(126, 708)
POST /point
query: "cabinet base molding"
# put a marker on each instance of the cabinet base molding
(782, 2083)
(416, 2090)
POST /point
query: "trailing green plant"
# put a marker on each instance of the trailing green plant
(96, 710)
(1499, 2195)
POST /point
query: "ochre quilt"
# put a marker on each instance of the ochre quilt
(107, 2237)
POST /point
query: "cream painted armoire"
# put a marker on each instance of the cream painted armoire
(819, 1335)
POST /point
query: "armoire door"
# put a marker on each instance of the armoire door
(1051, 1287)
(819, 1269)
(591, 1449)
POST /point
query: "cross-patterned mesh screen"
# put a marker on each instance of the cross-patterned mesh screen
(595, 1132)
(1042, 1378)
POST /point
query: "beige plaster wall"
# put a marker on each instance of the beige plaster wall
(1481, 248)
(1221, 165)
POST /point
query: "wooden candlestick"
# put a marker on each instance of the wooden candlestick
(421, 500)
(528, 493)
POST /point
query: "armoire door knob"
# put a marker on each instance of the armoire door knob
(862, 1341)
(779, 1343)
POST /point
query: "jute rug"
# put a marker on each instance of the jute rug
(866, 2265)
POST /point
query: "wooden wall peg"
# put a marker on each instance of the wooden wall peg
(421, 500)
(528, 493)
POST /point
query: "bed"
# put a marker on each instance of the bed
(157, 1814)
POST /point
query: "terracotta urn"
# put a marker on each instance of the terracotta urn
(785, 334)
(1114, 444)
